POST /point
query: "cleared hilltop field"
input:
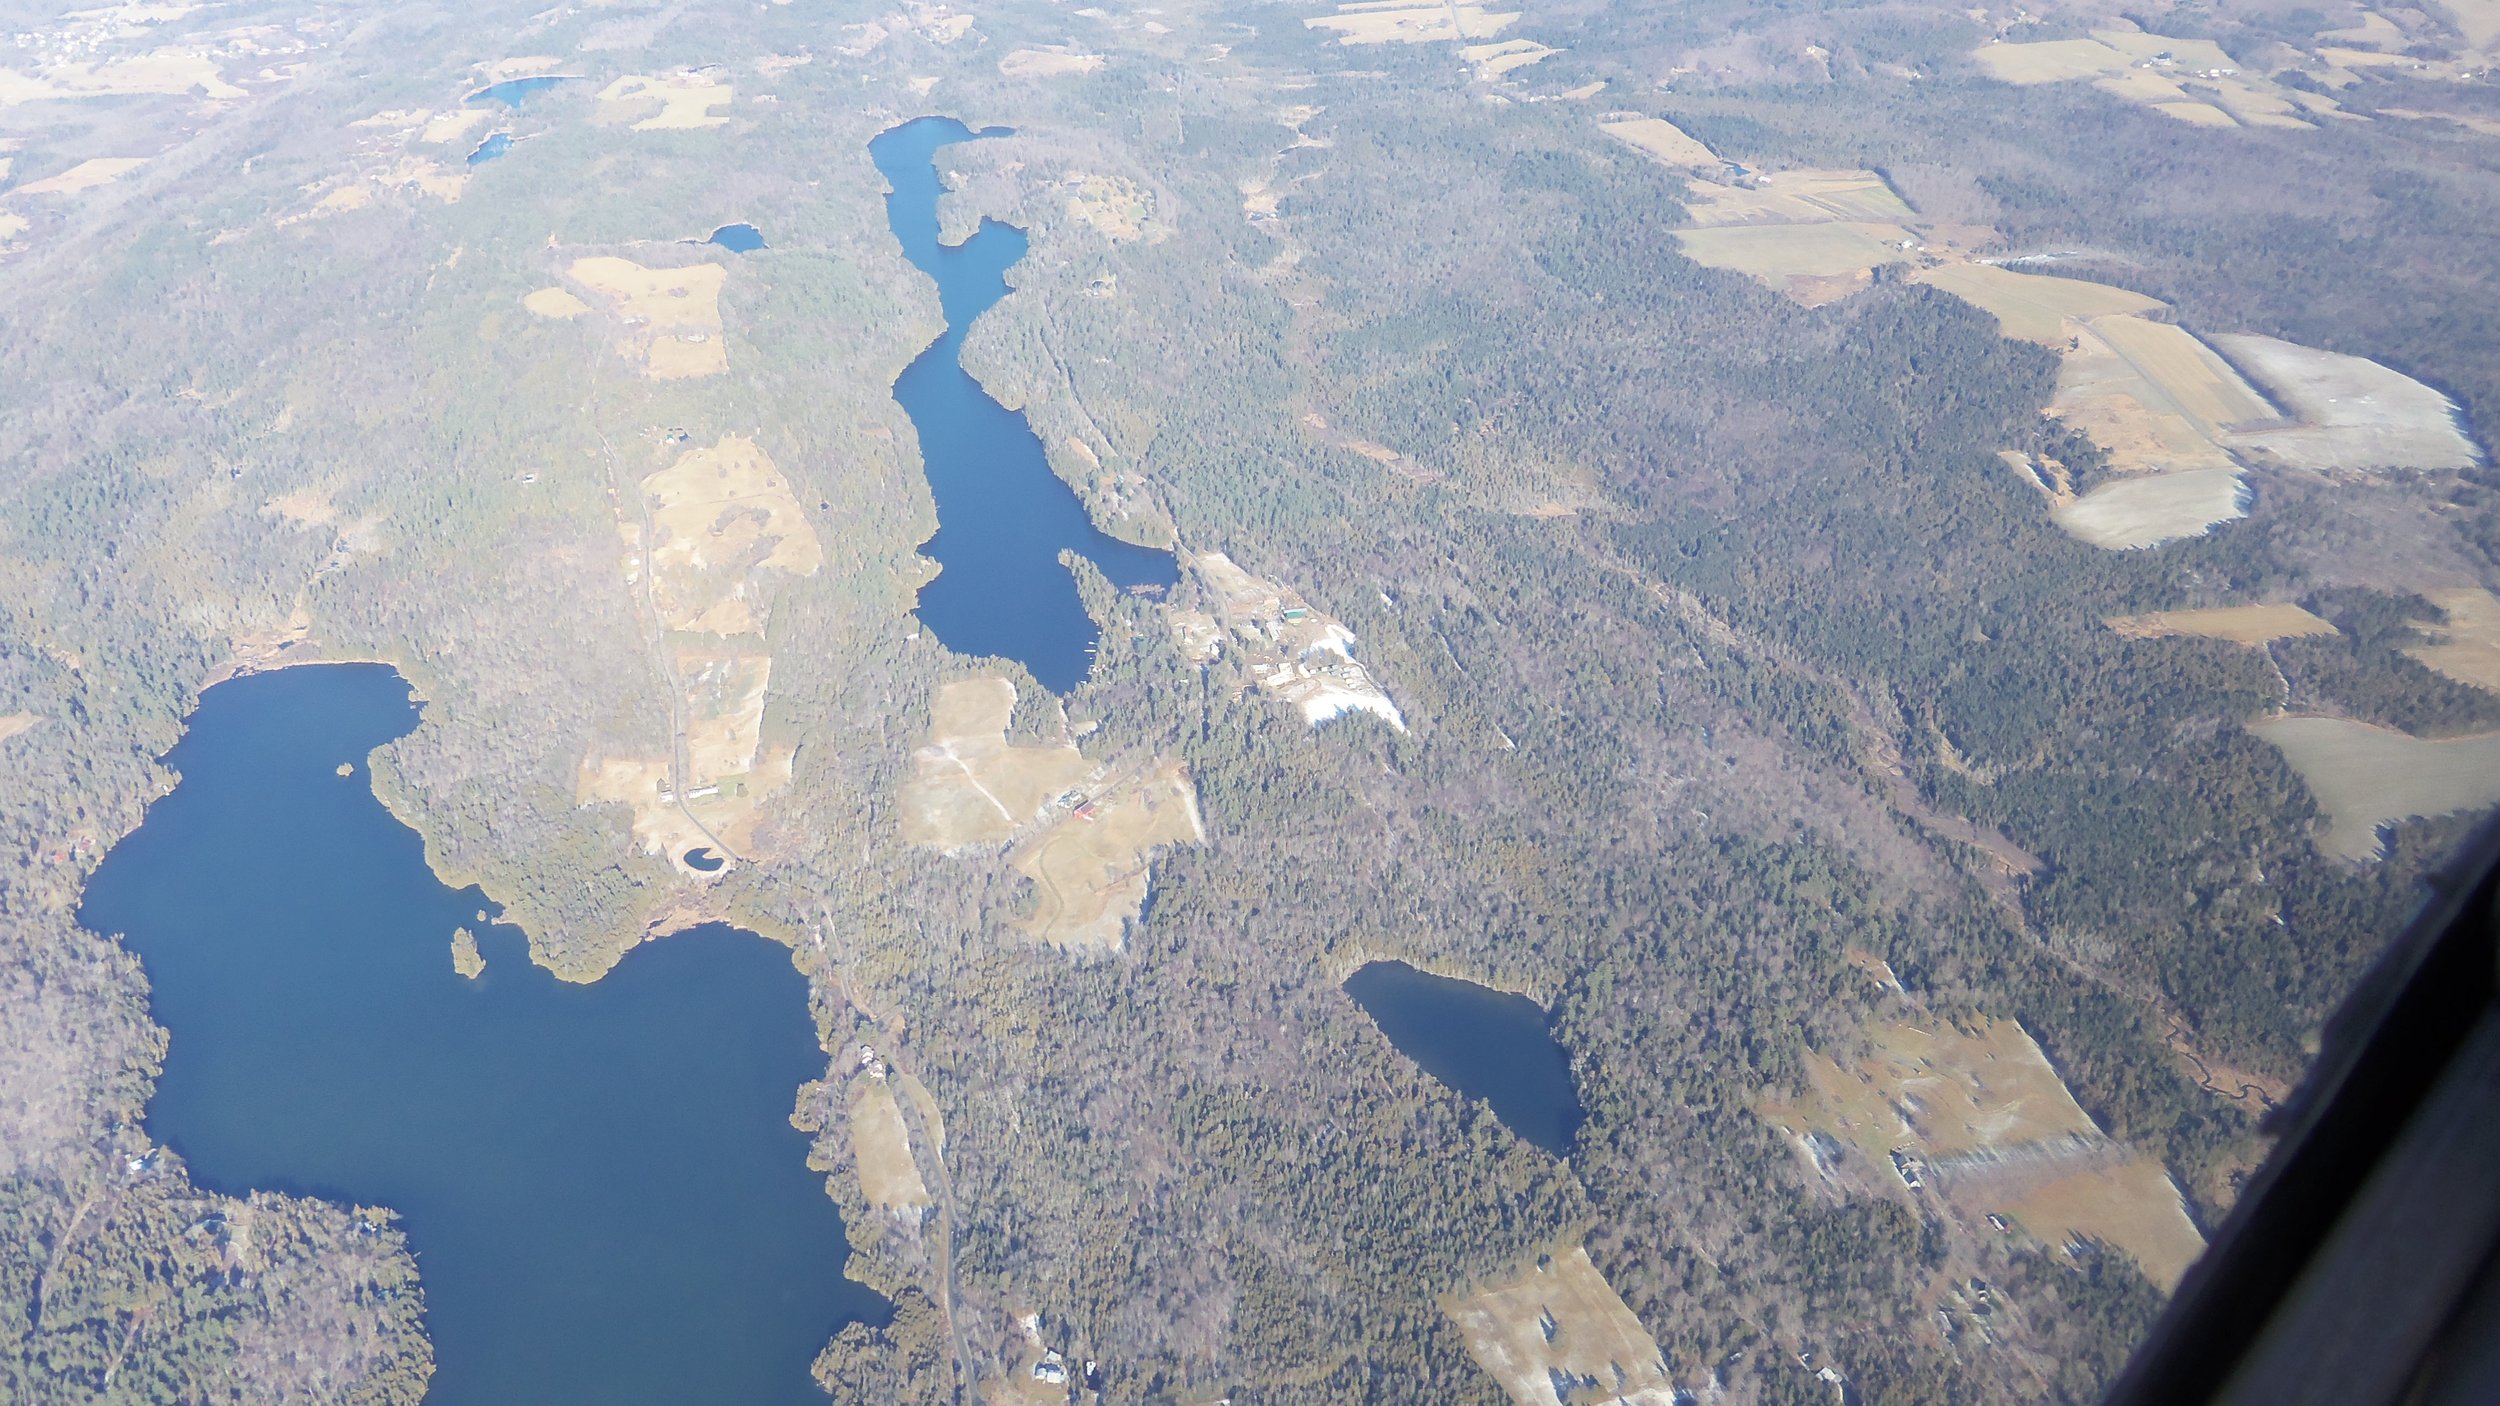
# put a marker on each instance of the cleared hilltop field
(2239, 624)
(2366, 778)
(2466, 647)
(2035, 307)
(969, 786)
(1558, 1323)
(666, 320)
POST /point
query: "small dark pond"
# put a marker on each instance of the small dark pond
(1003, 516)
(491, 148)
(601, 1184)
(512, 92)
(738, 239)
(701, 857)
(1486, 1044)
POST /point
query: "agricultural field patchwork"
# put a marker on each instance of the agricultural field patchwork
(667, 320)
(1661, 139)
(1406, 22)
(2238, 624)
(969, 786)
(2035, 307)
(1977, 1122)
(2366, 778)
(1811, 263)
(683, 101)
(83, 177)
(1558, 1326)
(2191, 80)
(1796, 197)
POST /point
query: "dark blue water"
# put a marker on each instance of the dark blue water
(738, 239)
(702, 858)
(604, 1193)
(1487, 1044)
(491, 148)
(1003, 516)
(512, 92)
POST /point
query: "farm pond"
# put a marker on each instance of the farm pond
(600, 1182)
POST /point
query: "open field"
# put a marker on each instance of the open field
(1942, 1090)
(555, 302)
(2477, 20)
(2150, 509)
(1114, 207)
(1048, 63)
(1295, 652)
(2467, 647)
(881, 1145)
(1402, 22)
(668, 319)
(85, 176)
(11, 226)
(1493, 61)
(724, 687)
(11, 724)
(1661, 139)
(170, 71)
(718, 516)
(2367, 777)
(1594, 1337)
(447, 128)
(2240, 624)
(2034, 307)
(2152, 395)
(1089, 868)
(2133, 1205)
(686, 101)
(1813, 264)
(2355, 414)
(968, 786)
(1797, 197)
(2192, 80)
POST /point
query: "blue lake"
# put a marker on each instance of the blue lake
(512, 92)
(738, 239)
(491, 148)
(1486, 1044)
(601, 1185)
(1003, 516)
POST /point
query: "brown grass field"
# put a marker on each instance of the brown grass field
(2154, 70)
(2034, 307)
(83, 177)
(686, 101)
(2366, 777)
(2467, 647)
(2152, 395)
(968, 786)
(2239, 624)
(1797, 197)
(1089, 867)
(1595, 1334)
(1661, 139)
(555, 303)
(669, 319)
(1813, 264)
(888, 1176)
(719, 515)
(11, 724)
(2133, 1205)
(1492, 61)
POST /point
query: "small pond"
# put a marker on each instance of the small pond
(738, 239)
(512, 92)
(1486, 1044)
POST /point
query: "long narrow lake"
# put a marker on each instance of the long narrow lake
(1003, 516)
(601, 1184)
(1486, 1044)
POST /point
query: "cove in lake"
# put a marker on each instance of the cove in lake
(1003, 516)
(1487, 1044)
(601, 1184)
(512, 92)
(738, 239)
(491, 148)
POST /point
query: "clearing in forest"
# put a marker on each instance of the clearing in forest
(667, 319)
(173, 71)
(2355, 415)
(556, 303)
(85, 176)
(1055, 62)
(2366, 778)
(1089, 868)
(11, 724)
(2146, 510)
(2239, 624)
(968, 785)
(1661, 139)
(685, 101)
(1558, 1325)
(1796, 197)
(1812, 263)
(2153, 396)
(1296, 652)
(1406, 22)
(2034, 307)
(2467, 647)
(1977, 1121)
(881, 1145)
(1492, 61)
